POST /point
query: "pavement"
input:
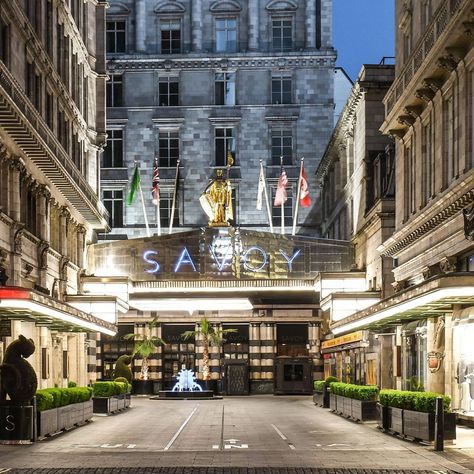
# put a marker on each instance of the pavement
(235, 435)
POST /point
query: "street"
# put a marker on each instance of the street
(241, 432)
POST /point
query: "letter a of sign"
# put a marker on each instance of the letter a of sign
(290, 260)
(224, 260)
(184, 258)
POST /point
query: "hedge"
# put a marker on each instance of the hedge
(358, 392)
(417, 401)
(319, 385)
(49, 398)
(109, 389)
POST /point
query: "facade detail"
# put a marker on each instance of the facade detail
(52, 107)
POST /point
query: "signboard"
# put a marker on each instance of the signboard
(5, 327)
(346, 339)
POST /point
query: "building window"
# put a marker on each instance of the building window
(168, 90)
(410, 173)
(116, 36)
(113, 152)
(170, 36)
(282, 34)
(426, 12)
(168, 149)
(224, 145)
(225, 88)
(288, 208)
(428, 164)
(115, 90)
(281, 89)
(226, 35)
(33, 81)
(166, 205)
(282, 146)
(4, 43)
(113, 202)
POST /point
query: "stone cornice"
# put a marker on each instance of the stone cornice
(416, 230)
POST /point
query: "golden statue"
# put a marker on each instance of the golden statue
(216, 201)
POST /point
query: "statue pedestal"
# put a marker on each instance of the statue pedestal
(16, 424)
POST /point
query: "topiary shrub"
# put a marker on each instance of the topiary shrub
(120, 387)
(122, 368)
(44, 400)
(71, 384)
(319, 385)
(358, 392)
(329, 380)
(49, 398)
(417, 401)
(104, 389)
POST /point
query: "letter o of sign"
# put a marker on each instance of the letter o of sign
(250, 268)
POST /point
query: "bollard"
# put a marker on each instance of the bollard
(439, 425)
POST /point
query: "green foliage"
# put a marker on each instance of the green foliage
(411, 400)
(125, 381)
(108, 389)
(319, 385)
(330, 380)
(71, 384)
(359, 392)
(213, 336)
(49, 398)
(122, 368)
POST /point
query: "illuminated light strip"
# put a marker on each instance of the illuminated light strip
(406, 306)
(192, 304)
(60, 315)
(223, 290)
(14, 293)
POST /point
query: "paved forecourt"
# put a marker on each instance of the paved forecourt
(245, 432)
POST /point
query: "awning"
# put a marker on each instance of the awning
(27, 305)
(430, 298)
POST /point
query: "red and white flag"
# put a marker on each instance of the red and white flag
(280, 195)
(305, 198)
(155, 190)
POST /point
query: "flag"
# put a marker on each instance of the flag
(132, 193)
(155, 189)
(261, 188)
(280, 195)
(305, 198)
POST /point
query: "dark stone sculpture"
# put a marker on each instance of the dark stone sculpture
(18, 378)
(469, 222)
(122, 368)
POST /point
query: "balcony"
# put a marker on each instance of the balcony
(27, 128)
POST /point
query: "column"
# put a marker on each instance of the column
(196, 25)
(254, 356)
(254, 24)
(268, 337)
(14, 188)
(310, 24)
(43, 200)
(140, 26)
(64, 215)
(314, 350)
(81, 240)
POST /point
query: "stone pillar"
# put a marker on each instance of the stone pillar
(64, 215)
(314, 339)
(254, 354)
(310, 24)
(436, 354)
(196, 25)
(81, 249)
(254, 25)
(140, 26)
(14, 188)
(268, 349)
(43, 200)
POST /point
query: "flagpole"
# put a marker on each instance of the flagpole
(144, 210)
(158, 216)
(173, 206)
(267, 203)
(298, 195)
(282, 205)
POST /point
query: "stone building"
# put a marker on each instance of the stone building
(200, 80)
(357, 180)
(429, 110)
(52, 127)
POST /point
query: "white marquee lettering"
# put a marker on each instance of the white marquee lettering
(264, 259)
(147, 256)
(184, 258)
(290, 260)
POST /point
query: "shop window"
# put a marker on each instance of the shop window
(170, 36)
(225, 88)
(115, 346)
(116, 33)
(414, 356)
(168, 90)
(236, 345)
(113, 152)
(292, 340)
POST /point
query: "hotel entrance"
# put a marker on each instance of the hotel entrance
(235, 364)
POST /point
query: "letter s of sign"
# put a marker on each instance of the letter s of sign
(10, 426)
(147, 256)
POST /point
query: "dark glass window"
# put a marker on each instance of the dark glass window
(170, 37)
(168, 91)
(282, 33)
(115, 39)
(282, 146)
(288, 209)
(224, 145)
(113, 152)
(281, 89)
(226, 35)
(168, 149)
(4, 42)
(113, 202)
(115, 90)
(166, 204)
(225, 88)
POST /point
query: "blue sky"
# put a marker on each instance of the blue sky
(363, 32)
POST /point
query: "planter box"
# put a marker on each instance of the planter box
(109, 405)
(88, 410)
(142, 387)
(395, 419)
(16, 424)
(333, 402)
(363, 410)
(383, 417)
(340, 404)
(47, 421)
(421, 425)
(318, 399)
(347, 407)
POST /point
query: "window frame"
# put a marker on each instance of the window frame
(282, 17)
(224, 82)
(166, 79)
(170, 161)
(281, 78)
(115, 31)
(166, 19)
(113, 139)
(225, 139)
(281, 129)
(112, 210)
(288, 205)
(226, 18)
(111, 84)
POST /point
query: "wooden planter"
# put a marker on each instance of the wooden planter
(109, 405)
(363, 410)
(321, 399)
(346, 407)
(383, 417)
(63, 418)
(420, 425)
(395, 420)
(333, 402)
(340, 404)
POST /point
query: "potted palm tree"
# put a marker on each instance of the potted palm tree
(209, 336)
(145, 347)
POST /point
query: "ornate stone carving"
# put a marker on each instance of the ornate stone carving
(406, 120)
(43, 248)
(425, 94)
(399, 285)
(447, 63)
(397, 133)
(468, 214)
(427, 273)
(436, 355)
(27, 269)
(413, 110)
(432, 83)
(18, 231)
(448, 264)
